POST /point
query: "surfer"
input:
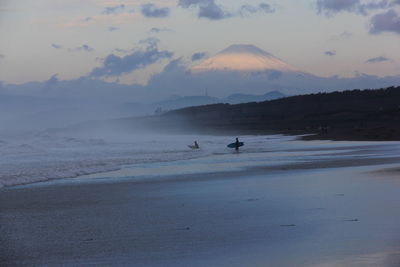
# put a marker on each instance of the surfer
(195, 146)
(237, 144)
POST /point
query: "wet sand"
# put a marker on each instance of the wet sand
(326, 213)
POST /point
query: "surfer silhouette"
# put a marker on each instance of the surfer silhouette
(195, 146)
(237, 144)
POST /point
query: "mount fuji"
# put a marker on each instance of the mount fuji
(244, 58)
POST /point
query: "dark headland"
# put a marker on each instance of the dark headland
(347, 115)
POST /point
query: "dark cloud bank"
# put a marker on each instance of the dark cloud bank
(331, 7)
(209, 9)
(152, 11)
(386, 21)
(177, 79)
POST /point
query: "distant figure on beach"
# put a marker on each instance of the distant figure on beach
(195, 146)
(237, 144)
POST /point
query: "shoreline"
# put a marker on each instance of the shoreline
(249, 170)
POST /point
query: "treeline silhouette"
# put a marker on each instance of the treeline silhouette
(347, 115)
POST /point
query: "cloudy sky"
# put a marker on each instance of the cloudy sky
(129, 41)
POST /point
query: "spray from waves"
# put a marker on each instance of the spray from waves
(37, 157)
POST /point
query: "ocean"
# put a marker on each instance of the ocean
(42, 156)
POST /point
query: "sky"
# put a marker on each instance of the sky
(128, 42)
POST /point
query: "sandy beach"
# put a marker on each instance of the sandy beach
(318, 213)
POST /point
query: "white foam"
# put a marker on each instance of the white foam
(36, 157)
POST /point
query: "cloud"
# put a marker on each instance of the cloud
(115, 65)
(119, 50)
(213, 12)
(343, 36)
(385, 22)
(152, 11)
(330, 53)
(83, 47)
(364, 8)
(150, 42)
(112, 10)
(207, 9)
(176, 79)
(198, 56)
(56, 46)
(86, 19)
(112, 28)
(174, 65)
(100, 19)
(50, 83)
(377, 59)
(266, 8)
(249, 9)
(158, 30)
(332, 7)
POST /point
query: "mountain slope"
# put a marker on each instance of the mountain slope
(241, 57)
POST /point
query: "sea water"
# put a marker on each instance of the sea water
(42, 156)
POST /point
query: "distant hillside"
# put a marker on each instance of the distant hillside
(245, 98)
(178, 102)
(347, 115)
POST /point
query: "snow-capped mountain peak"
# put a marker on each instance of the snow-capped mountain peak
(243, 57)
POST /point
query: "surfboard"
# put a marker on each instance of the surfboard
(193, 147)
(233, 145)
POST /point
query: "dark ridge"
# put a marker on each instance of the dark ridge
(347, 115)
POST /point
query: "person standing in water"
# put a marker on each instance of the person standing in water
(196, 145)
(237, 144)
